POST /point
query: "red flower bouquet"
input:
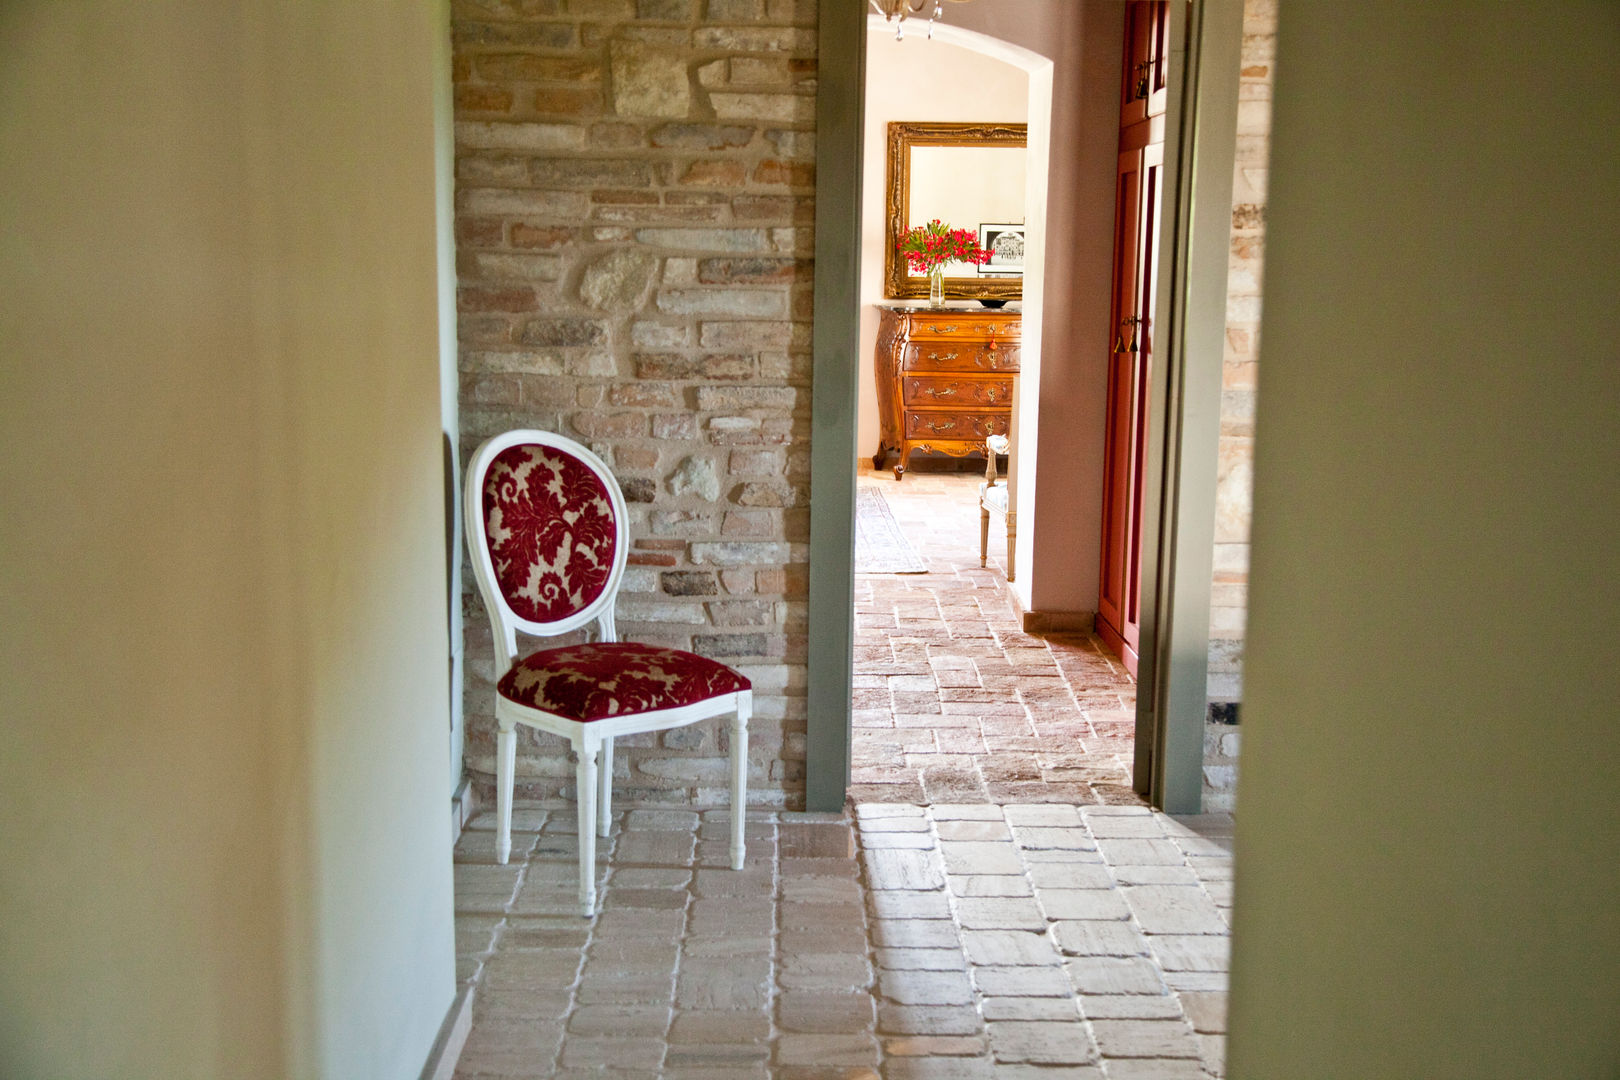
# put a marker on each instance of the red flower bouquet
(929, 248)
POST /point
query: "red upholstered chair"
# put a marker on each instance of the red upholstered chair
(548, 538)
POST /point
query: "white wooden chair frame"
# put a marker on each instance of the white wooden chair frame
(593, 741)
(997, 444)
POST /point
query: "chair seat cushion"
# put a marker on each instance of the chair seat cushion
(993, 498)
(615, 678)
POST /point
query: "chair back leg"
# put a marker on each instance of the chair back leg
(604, 789)
(984, 535)
(739, 776)
(505, 766)
(585, 802)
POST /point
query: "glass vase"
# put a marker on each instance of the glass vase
(936, 287)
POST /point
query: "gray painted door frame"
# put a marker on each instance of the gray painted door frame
(835, 354)
(1184, 415)
(1178, 520)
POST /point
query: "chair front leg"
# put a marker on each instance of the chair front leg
(739, 776)
(585, 799)
(604, 789)
(505, 767)
(984, 535)
(1012, 542)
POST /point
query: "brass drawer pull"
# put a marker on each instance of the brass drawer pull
(988, 393)
(943, 329)
(942, 356)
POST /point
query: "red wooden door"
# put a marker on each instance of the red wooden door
(1136, 243)
(1144, 78)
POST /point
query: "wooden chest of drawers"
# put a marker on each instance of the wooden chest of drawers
(944, 380)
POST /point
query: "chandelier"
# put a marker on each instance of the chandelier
(895, 11)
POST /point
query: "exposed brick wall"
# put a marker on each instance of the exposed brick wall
(634, 183)
(1233, 498)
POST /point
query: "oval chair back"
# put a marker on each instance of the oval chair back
(546, 525)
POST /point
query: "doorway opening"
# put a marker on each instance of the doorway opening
(953, 701)
(1058, 534)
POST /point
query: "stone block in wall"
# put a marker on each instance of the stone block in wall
(688, 583)
(731, 302)
(796, 42)
(705, 239)
(771, 108)
(738, 553)
(697, 476)
(665, 10)
(745, 335)
(536, 137)
(738, 524)
(552, 205)
(649, 80)
(642, 610)
(725, 646)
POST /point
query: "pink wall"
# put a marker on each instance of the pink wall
(1059, 531)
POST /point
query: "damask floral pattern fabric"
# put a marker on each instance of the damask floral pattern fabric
(549, 526)
(598, 680)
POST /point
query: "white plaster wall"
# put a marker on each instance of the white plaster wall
(222, 656)
(911, 81)
(1427, 871)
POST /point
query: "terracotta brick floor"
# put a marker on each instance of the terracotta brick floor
(954, 703)
(976, 915)
(951, 942)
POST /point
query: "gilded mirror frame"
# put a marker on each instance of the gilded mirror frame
(897, 283)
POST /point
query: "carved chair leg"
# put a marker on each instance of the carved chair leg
(604, 789)
(505, 767)
(1012, 537)
(739, 777)
(585, 800)
(984, 536)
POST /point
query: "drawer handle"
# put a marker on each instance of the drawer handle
(937, 428)
(990, 393)
(943, 329)
(942, 356)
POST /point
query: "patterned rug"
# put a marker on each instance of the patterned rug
(880, 546)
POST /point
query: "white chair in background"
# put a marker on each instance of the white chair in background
(995, 498)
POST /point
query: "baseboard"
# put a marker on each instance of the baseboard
(1058, 622)
(464, 806)
(446, 1052)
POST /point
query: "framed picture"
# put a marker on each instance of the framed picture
(1005, 242)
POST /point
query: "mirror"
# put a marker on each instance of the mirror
(970, 176)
